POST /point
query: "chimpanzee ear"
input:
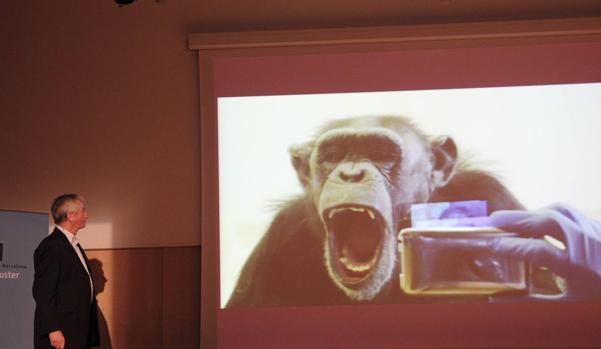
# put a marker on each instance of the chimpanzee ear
(300, 155)
(444, 161)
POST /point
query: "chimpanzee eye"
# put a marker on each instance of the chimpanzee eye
(379, 155)
(332, 155)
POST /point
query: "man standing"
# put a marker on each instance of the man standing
(66, 310)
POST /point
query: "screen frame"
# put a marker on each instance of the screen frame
(452, 331)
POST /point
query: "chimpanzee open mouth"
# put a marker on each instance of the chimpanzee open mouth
(355, 236)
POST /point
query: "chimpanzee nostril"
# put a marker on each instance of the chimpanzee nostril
(354, 175)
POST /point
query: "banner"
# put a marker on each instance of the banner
(20, 233)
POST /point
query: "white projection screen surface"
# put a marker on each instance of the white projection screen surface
(524, 109)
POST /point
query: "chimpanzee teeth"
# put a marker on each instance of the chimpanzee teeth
(338, 210)
(359, 268)
(354, 209)
(331, 214)
(371, 214)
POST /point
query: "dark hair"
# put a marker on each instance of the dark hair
(59, 207)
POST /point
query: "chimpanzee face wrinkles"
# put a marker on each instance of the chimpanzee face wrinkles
(354, 173)
(375, 148)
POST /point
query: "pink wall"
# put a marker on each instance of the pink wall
(102, 101)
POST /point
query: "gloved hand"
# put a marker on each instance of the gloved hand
(579, 263)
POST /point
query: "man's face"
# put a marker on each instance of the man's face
(79, 216)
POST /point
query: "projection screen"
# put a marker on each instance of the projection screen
(520, 100)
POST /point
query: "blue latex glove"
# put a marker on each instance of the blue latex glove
(579, 263)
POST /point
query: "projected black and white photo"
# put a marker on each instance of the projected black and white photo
(484, 195)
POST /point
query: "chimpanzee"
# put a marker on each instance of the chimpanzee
(337, 243)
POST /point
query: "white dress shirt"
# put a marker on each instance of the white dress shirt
(74, 242)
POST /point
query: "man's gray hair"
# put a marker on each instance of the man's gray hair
(62, 205)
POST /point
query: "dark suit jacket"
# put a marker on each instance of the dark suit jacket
(61, 289)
